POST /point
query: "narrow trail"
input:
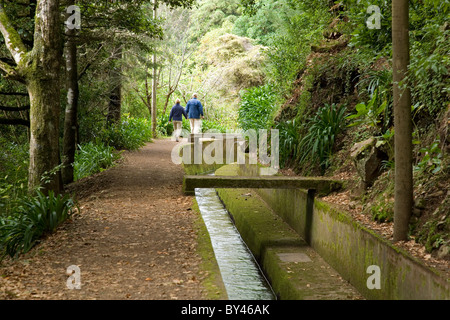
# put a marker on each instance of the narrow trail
(134, 238)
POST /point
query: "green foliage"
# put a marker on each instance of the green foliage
(11, 192)
(164, 126)
(428, 70)
(378, 83)
(129, 134)
(434, 232)
(368, 114)
(213, 125)
(323, 129)
(290, 46)
(256, 108)
(383, 211)
(249, 7)
(231, 62)
(427, 12)
(213, 14)
(374, 40)
(386, 141)
(289, 135)
(268, 17)
(432, 159)
(90, 114)
(91, 158)
(35, 217)
(14, 160)
(21, 19)
(186, 125)
(287, 29)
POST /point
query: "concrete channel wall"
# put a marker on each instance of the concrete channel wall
(359, 255)
(350, 248)
(294, 270)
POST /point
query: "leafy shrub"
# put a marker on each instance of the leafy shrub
(386, 143)
(14, 160)
(256, 108)
(428, 70)
(291, 44)
(12, 191)
(164, 126)
(92, 158)
(130, 134)
(372, 39)
(432, 159)
(323, 128)
(186, 125)
(289, 134)
(378, 84)
(92, 125)
(368, 114)
(434, 233)
(35, 217)
(213, 125)
(383, 212)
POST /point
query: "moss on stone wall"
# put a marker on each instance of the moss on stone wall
(345, 244)
(351, 248)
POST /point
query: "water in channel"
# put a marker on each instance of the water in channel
(241, 274)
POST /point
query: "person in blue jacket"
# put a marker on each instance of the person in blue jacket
(194, 110)
(177, 114)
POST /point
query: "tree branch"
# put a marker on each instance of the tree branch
(25, 94)
(141, 97)
(10, 72)
(15, 122)
(23, 108)
(90, 62)
(12, 38)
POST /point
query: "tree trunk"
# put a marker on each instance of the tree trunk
(42, 79)
(70, 120)
(154, 80)
(115, 96)
(402, 120)
(148, 97)
(44, 134)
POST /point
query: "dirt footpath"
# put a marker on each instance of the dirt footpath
(134, 238)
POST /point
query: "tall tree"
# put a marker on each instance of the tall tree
(39, 69)
(154, 80)
(107, 26)
(402, 120)
(176, 51)
(70, 120)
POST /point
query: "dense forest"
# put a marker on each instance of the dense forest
(319, 71)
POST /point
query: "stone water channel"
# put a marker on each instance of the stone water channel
(242, 277)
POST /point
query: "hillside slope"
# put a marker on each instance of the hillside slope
(363, 153)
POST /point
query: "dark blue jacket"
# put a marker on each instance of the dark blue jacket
(194, 109)
(177, 113)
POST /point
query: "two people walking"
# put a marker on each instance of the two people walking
(193, 112)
